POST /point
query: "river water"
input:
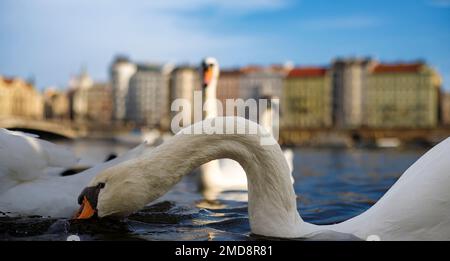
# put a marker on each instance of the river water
(332, 185)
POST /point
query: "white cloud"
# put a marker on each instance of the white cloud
(176, 5)
(233, 5)
(67, 34)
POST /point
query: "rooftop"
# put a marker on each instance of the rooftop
(397, 68)
(9, 81)
(252, 69)
(307, 72)
(230, 72)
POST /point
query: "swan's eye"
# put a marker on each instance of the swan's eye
(101, 185)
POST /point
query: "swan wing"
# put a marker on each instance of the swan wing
(24, 157)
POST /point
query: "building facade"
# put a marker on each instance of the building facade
(445, 108)
(120, 73)
(20, 99)
(307, 98)
(184, 80)
(100, 103)
(147, 101)
(228, 86)
(257, 82)
(79, 86)
(90, 102)
(402, 96)
(349, 80)
(56, 104)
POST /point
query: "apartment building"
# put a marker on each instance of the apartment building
(20, 99)
(402, 95)
(307, 98)
(147, 101)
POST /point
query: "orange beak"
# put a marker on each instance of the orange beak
(86, 210)
(207, 76)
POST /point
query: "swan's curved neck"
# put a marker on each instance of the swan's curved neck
(210, 97)
(272, 202)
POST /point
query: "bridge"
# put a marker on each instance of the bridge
(62, 128)
(65, 128)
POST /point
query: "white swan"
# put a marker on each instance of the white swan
(28, 186)
(224, 174)
(416, 207)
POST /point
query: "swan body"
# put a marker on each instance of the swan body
(27, 184)
(417, 206)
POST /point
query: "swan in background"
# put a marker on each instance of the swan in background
(224, 174)
(416, 207)
(267, 122)
(29, 184)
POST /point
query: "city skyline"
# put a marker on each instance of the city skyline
(53, 40)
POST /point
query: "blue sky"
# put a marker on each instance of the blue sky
(52, 39)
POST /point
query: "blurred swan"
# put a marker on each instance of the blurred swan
(416, 207)
(225, 174)
(29, 180)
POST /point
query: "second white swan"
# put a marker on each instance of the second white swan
(225, 174)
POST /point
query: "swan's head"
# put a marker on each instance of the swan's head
(119, 191)
(210, 70)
